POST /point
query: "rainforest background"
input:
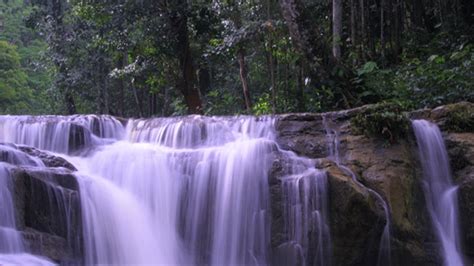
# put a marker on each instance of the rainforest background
(162, 58)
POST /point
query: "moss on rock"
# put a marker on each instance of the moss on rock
(385, 120)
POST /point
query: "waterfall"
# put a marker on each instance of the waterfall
(61, 134)
(332, 136)
(11, 241)
(306, 215)
(194, 188)
(12, 249)
(191, 190)
(440, 193)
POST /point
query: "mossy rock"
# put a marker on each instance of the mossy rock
(384, 120)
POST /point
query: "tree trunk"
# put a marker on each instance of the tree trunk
(418, 16)
(187, 84)
(362, 28)
(123, 61)
(70, 104)
(271, 70)
(382, 28)
(104, 88)
(353, 24)
(300, 78)
(243, 79)
(270, 58)
(306, 39)
(336, 28)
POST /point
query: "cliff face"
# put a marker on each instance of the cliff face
(392, 169)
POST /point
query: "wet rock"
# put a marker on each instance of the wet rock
(457, 117)
(51, 246)
(393, 170)
(461, 152)
(303, 134)
(47, 158)
(79, 137)
(47, 202)
(356, 220)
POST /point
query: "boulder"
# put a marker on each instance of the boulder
(303, 134)
(356, 219)
(393, 171)
(47, 158)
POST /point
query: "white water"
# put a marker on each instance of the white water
(191, 198)
(191, 190)
(306, 215)
(440, 193)
(12, 250)
(53, 133)
(332, 135)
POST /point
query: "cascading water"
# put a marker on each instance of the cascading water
(440, 193)
(58, 133)
(190, 190)
(198, 186)
(306, 213)
(332, 135)
(11, 239)
(12, 249)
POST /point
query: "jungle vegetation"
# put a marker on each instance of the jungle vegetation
(220, 57)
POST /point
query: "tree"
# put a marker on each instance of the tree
(336, 28)
(187, 85)
(145, 58)
(14, 91)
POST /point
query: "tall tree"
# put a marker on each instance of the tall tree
(188, 86)
(336, 28)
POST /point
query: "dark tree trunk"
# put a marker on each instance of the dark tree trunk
(300, 77)
(353, 25)
(187, 84)
(305, 39)
(382, 28)
(243, 79)
(336, 29)
(123, 61)
(271, 65)
(70, 104)
(204, 80)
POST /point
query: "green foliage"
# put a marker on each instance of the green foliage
(416, 83)
(121, 57)
(32, 77)
(384, 120)
(221, 102)
(14, 91)
(262, 106)
(441, 78)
